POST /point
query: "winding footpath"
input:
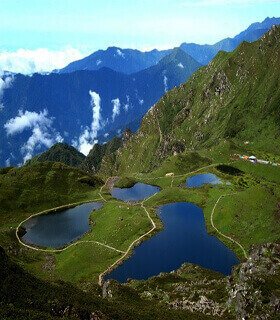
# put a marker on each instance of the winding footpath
(136, 241)
(219, 232)
(116, 263)
(70, 205)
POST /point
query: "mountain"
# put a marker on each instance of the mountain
(61, 152)
(83, 106)
(121, 60)
(234, 98)
(205, 53)
(130, 61)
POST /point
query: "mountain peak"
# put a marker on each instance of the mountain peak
(60, 152)
(178, 55)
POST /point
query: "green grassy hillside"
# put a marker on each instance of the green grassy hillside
(235, 98)
(24, 296)
(44, 184)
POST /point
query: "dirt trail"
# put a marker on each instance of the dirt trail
(218, 231)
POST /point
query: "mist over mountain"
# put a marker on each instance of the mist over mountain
(100, 99)
(81, 107)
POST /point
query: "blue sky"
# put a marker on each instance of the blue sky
(40, 35)
(144, 24)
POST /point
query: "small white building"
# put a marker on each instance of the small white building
(253, 159)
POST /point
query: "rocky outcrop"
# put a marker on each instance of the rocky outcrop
(254, 285)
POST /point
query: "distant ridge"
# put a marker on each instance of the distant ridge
(121, 60)
(130, 60)
(205, 53)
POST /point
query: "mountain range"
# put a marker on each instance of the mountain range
(232, 101)
(130, 61)
(84, 106)
(225, 109)
(235, 99)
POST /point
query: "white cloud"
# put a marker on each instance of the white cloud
(27, 120)
(96, 112)
(141, 101)
(88, 137)
(85, 142)
(106, 135)
(5, 82)
(126, 106)
(165, 83)
(116, 108)
(180, 65)
(39, 60)
(40, 137)
(42, 132)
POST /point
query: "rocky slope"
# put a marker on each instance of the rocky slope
(251, 292)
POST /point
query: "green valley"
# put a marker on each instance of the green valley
(227, 109)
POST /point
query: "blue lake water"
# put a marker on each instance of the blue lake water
(199, 180)
(139, 191)
(57, 229)
(183, 239)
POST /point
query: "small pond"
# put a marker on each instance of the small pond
(199, 180)
(58, 229)
(183, 239)
(138, 192)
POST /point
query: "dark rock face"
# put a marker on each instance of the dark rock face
(254, 285)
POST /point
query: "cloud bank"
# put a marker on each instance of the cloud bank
(116, 108)
(88, 137)
(39, 60)
(5, 82)
(27, 120)
(40, 124)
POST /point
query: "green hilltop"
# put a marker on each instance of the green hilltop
(60, 152)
